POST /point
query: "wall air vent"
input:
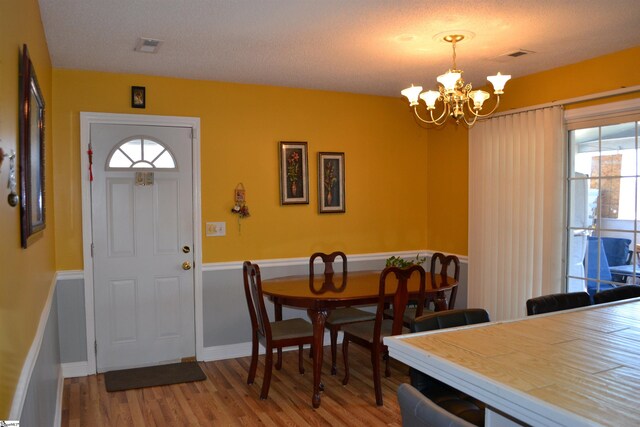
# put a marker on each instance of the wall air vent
(146, 45)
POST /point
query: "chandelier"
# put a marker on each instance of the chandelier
(455, 95)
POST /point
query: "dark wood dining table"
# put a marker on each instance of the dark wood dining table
(322, 293)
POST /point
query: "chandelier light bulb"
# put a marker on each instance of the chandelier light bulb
(412, 94)
(430, 97)
(478, 96)
(449, 80)
(498, 81)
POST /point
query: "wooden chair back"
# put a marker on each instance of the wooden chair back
(400, 297)
(443, 269)
(328, 260)
(260, 324)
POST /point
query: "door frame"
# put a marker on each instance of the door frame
(86, 120)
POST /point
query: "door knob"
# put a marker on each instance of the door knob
(186, 265)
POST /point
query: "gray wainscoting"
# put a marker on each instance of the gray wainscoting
(44, 393)
(225, 317)
(72, 320)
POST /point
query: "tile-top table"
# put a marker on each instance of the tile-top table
(577, 367)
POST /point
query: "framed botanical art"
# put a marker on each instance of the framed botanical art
(331, 197)
(294, 173)
(31, 149)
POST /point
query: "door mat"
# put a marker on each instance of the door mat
(153, 376)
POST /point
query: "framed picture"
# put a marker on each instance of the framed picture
(294, 173)
(31, 147)
(331, 197)
(138, 97)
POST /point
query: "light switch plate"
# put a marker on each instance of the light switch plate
(216, 229)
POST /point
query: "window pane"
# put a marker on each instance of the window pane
(165, 161)
(151, 150)
(583, 204)
(119, 160)
(140, 165)
(133, 149)
(627, 205)
(145, 154)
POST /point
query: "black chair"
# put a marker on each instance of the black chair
(370, 334)
(454, 401)
(341, 316)
(419, 411)
(557, 302)
(283, 333)
(617, 294)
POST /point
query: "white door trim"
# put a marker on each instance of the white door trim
(88, 118)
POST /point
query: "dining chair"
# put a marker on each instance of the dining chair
(370, 334)
(444, 273)
(617, 294)
(339, 317)
(557, 302)
(450, 399)
(278, 334)
(417, 410)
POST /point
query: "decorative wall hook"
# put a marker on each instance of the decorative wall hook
(240, 207)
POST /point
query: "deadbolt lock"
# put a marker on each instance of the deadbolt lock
(186, 249)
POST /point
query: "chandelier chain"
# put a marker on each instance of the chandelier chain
(453, 42)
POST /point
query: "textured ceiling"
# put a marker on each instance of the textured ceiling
(361, 46)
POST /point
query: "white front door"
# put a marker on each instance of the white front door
(142, 215)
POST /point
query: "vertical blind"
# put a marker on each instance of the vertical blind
(516, 210)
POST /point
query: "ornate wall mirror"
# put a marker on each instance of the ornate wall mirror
(32, 210)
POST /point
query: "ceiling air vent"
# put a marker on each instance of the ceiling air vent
(519, 52)
(146, 45)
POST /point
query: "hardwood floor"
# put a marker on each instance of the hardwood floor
(225, 398)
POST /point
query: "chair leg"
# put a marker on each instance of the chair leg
(387, 370)
(375, 362)
(345, 357)
(334, 349)
(254, 360)
(279, 362)
(300, 357)
(268, 365)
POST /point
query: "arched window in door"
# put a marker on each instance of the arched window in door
(141, 153)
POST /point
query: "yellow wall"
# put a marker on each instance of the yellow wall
(25, 274)
(386, 178)
(448, 151)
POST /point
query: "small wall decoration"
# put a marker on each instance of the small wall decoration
(331, 194)
(294, 173)
(13, 198)
(31, 150)
(240, 207)
(138, 97)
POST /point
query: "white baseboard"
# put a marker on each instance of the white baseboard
(232, 351)
(75, 369)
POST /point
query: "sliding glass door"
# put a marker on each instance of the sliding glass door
(603, 207)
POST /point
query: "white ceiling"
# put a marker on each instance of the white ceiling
(361, 46)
